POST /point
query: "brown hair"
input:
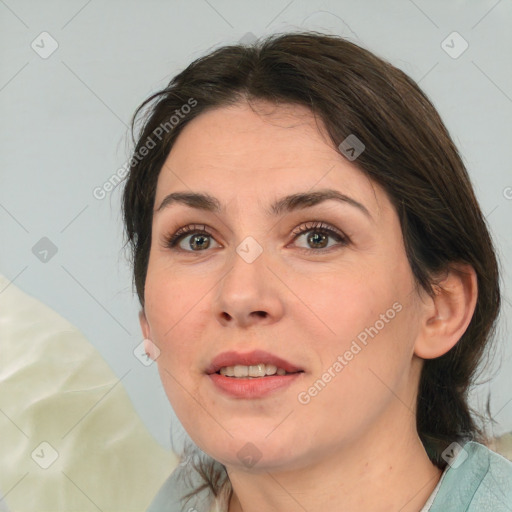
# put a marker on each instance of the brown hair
(408, 151)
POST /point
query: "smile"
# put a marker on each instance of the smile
(254, 374)
(253, 371)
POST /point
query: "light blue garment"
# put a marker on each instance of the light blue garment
(481, 483)
(477, 480)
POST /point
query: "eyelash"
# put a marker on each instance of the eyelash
(317, 226)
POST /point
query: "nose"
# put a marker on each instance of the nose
(249, 294)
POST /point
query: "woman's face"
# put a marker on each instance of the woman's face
(340, 306)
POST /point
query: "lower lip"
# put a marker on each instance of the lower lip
(253, 388)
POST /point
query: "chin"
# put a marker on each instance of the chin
(252, 453)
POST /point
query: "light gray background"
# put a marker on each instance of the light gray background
(64, 132)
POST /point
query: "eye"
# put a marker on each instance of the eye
(319, 235)
(199, 238)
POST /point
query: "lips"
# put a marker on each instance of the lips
(254, 357)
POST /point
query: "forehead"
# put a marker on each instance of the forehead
(265, 150)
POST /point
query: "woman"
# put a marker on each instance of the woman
(317, 285)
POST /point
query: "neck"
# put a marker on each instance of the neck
(381, 472)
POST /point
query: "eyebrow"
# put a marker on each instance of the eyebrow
(292, 202)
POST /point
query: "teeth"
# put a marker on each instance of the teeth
(258, 370)
(241, 371)
(270, 369)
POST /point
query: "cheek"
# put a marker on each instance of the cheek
(361, 374)
(367, 318)
(169, 306)
(343, 303)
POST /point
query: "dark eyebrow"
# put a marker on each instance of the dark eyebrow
(288, 203)
(308, 199)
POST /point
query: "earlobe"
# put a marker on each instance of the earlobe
(446, 316)
(152, 351)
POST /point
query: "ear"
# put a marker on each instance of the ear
(152, 351)
(144, 324)
(446, 316)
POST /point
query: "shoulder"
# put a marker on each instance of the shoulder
(477, 479)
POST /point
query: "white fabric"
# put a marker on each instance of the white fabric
(55, 388)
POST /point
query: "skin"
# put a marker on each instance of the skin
(354, 446)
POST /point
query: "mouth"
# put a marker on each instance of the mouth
(255, 364)
(252, 375)
(257, 371)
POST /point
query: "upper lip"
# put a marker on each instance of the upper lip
(254, 357)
